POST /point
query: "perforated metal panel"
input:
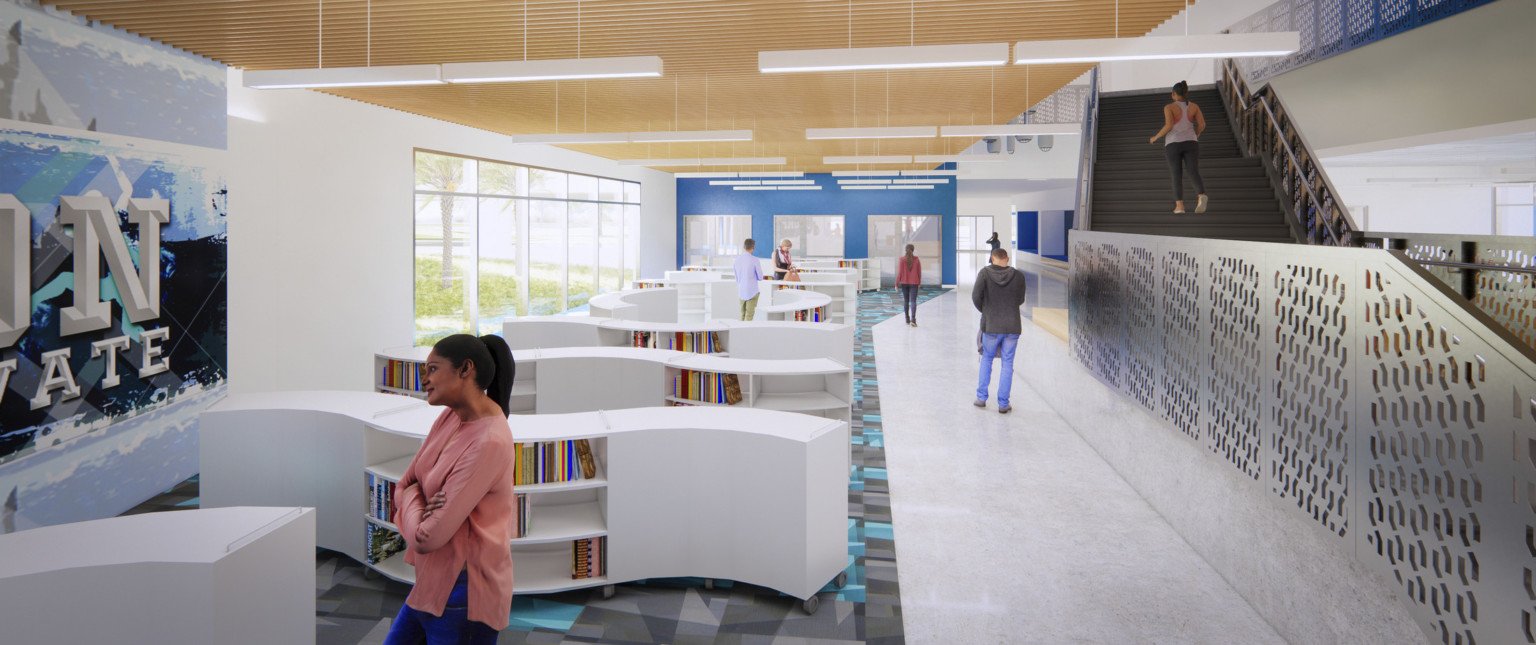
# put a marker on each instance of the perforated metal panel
(1144, 333)
(1234, 381)
(1311, 412)
(1097, 313)
(1331, 27)
(1180, 317)
(1353, 388)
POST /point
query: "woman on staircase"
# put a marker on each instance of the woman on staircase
(1183, 122)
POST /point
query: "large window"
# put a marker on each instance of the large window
(496, 240)
(812, 236)
(715, 240)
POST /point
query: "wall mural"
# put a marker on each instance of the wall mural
(112, 298)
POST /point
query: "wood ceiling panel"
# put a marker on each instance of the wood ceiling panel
(709, 47)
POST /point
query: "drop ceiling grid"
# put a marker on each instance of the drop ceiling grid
(696, 38)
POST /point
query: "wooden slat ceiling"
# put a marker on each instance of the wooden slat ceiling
(709, 48)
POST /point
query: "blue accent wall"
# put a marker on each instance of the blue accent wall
(1029, 231)
(696, 197)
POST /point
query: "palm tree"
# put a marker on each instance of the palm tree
(446, 174)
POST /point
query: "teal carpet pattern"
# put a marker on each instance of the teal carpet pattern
(355, 606)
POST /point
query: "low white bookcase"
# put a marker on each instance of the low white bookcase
(655, 304)
(755, 495)
(843, 295)
(741, 339)
(213, 575)
(867, 269)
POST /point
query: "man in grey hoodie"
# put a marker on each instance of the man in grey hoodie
(998, 293)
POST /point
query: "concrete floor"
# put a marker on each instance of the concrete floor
(1011, 529)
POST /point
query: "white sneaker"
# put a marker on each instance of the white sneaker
(1200, 205)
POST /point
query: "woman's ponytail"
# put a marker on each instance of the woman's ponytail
(505, 370)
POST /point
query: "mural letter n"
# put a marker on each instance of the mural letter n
(15, 238)
(95, 222)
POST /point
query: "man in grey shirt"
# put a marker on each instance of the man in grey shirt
(998, 293)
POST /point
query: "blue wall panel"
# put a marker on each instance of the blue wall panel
(1029, 231)
(697, 197)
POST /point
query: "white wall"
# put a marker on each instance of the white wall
(320, 230)
(1470, 70)
(1411, 207)
(1203, 18)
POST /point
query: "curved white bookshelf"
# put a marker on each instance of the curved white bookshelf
(741, 339)
(785, 304)
(648, 505)
(658, 304)
(843, 295)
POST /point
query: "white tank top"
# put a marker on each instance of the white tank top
(1183, 125)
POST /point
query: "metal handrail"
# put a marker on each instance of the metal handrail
(1087, 153)
(1478, 267)
(1328, 211)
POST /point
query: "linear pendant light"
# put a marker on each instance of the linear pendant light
(1093, 50)
(281, 79)
(868, 159)
(1013, 129)
(718, 161)
(960, 158)
(690, 135)
(572, 137)
(513, 71)
(900, 132)
(916, 57)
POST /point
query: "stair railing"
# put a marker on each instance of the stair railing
(1087, 153)
(1264, 129)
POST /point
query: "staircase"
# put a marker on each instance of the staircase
(1132, 191)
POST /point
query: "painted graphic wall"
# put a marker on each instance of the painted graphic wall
(698, 196)
(112, 301)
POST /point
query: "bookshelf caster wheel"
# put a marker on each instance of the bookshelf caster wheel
(608, 591)
(841, 580)
(810, 605)
(709, 583)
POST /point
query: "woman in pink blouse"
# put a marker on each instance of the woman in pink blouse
(454, 503)
(909, 274)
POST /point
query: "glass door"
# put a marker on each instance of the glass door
(971, 248)
(810, 236)
(889, 236)
(714, 240)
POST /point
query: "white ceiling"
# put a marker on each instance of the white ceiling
(1517, 151)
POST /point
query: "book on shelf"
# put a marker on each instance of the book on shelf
(818, 314)
(589, 558)
(382, 543)
(381, 497)
(706, 387)
(523, 507)
(548, 462)
(699, 342)
(401, 375)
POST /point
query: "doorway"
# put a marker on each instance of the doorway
(971, 248)
(889, 236)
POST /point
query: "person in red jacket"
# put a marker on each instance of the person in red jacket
(909, 274)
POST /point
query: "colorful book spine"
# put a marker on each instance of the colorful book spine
(401, 375)
(381, 497)
(524, 508)
(548, 462)
(589, 558)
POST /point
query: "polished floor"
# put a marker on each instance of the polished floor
(1010, 528)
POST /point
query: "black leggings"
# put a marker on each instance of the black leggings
(909, 301)
(1189, 153)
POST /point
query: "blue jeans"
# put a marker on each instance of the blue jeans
(413, 627)
(990, 345)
